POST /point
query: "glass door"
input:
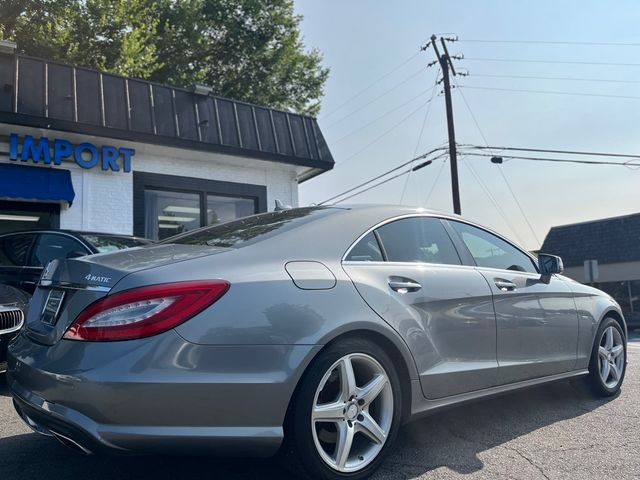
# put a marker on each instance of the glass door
(17, 216)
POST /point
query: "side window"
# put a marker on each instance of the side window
(49, 246)
(14, 250)
(366, 250)
(418, 239)
(493, 252)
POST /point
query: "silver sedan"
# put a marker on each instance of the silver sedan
(313, 333)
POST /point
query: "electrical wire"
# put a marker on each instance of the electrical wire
(385, 114)
(491, 198)
(380, 137)
(550, 150)
(424, 122)
(565, 62)
(504, 177)
(372, 84)
(373, 100)
(556, 160)
(435, 183)
(552, 42)
(420, 157)
(575, 79)
(552, 92)
(387, 180)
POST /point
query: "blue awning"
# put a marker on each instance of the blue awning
(33, 183)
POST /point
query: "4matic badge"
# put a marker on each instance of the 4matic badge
(97, 279)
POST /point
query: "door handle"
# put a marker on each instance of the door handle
(505, 285)
(404, 285)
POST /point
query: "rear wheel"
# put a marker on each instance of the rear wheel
(346, 412)
(608, 359)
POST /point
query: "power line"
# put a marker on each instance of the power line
(424, 122)
(418, 167)
(420, 157)
(566, 62)
(372, 84)
(576, 79)
(553, 42)
(385, 114)
(435, 183)
(504, 177)
(492, 199)
(557, 160)
(550, 150)
(375, 99)
(551, 92)
(380, 137)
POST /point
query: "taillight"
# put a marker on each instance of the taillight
(142, 312)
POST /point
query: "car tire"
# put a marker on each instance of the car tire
(309, 439)
(608, 365)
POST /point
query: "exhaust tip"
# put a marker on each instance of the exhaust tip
(70, 443)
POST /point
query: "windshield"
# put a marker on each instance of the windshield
(111, 243)
(248, 230)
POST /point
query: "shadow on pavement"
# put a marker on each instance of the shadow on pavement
(453, 439)
(4, 389)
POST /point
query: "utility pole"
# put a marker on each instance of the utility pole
(446, 65)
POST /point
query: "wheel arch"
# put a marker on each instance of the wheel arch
(394, 347)
(617, 316)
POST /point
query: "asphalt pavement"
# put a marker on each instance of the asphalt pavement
(552, 432)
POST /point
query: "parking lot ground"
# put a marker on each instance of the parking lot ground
(552, 432)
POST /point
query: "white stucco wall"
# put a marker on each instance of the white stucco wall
(104, 200)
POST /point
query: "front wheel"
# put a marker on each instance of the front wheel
(608, 359)
(346, 412)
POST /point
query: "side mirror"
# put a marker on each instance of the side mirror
(549, 264)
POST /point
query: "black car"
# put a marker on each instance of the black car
(13, 303)
(23, 255)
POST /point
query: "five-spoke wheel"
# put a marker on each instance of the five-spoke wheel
(346, 412)
(352, 412)
(608, 359)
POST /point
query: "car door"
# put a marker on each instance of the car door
(49, 246)
(411, 275)
(537, 322)
(14, 252)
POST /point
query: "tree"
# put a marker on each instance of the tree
(249, 50)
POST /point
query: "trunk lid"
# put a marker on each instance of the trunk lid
(67, 287)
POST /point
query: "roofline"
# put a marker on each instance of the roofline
(599, 220)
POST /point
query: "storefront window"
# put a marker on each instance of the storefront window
(170, 213)
(223, 209)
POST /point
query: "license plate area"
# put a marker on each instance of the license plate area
(52, 307)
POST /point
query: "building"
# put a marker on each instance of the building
(86, 150)
(614, 244)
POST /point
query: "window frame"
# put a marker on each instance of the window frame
(472, 260)
(385, 260)
(143, 181)
(463, 252)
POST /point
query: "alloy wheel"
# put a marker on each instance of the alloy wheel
(352, 412)
(611, 357)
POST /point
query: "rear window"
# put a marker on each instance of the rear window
(111, 243)
(253, 229)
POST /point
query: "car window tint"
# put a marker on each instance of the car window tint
(418, 239)
(253, 229)
(111, 243)
(49, 246)
(366, 250)
(493, 252)
(14, 250)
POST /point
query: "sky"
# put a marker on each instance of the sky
(374, 120)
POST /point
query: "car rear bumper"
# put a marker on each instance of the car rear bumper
(164, 395)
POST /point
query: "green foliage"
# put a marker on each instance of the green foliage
(245, 49)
